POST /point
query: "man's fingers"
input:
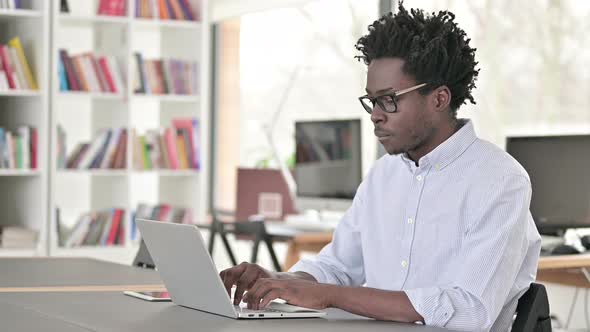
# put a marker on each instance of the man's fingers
(246, 280)
(269, 296)
(231, 276)
(260, 288)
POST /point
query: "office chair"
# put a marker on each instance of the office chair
(532, 312)
(253, 230)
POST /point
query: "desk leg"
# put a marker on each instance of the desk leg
(273, 255)
(230, 252)
(293, 255)
(255, 246)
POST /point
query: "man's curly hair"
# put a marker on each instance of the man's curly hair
(434, 49)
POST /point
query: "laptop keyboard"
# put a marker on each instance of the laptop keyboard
(273, 307)
(246, 310)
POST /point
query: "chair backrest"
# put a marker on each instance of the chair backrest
(257, 188)
(532, 312)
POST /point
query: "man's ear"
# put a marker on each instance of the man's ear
(442, 98)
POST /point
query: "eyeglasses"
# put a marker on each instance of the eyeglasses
(387, 102)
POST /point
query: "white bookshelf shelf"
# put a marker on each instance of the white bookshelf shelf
(97, 19)
(20, 93)
(28, 189)
(10, 252)
(92, 95)
(12, 14)
(93, 172)
(168, 98)
(19, 172)
(157, 23)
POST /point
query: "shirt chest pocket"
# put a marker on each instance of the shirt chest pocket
(440, 227)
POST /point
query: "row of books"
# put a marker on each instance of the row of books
(165, 9)
(86, 72)
(15, 73)
(176, 147)
(160, 212)
(107, 150)
(96, 228)
(11, 4)
(169, 76)
(19, 150)
(105, 227)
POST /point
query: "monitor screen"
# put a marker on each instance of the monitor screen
(328, 158)
(558, 167)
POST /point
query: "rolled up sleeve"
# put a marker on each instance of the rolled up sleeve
(341, 261)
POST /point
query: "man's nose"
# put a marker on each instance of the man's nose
(378, 115)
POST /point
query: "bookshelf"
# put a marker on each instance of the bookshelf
(83, 114)
(24, 194)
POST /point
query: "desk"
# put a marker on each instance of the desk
(71, 274)
(110, 311)
(566, 270)
(16, 318)
(113, 311)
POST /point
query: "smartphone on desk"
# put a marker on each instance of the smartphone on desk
(150, 296)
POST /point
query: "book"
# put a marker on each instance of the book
(100, 154)
(79, 72)
(63, 80)
(93, 149)
(11, 150)
(139, 75)
(112, 87)
(186, 10)
(163, 10)
(109, 154)
(181, 149)
(115, 226)
(8, 68)
(34, 147)
(178, 14)
(191, 127)
(21, 81)
(119, 161)
(18, 237)
(171, 148)
(113, 66)
(73, 82)
(3, 79)
(63, 6)
(30, 79)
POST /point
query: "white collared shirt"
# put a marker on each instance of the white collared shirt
(454, 233)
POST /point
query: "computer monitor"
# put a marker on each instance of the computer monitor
(558, 167)
(328, 164)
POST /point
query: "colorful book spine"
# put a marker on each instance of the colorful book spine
(16, 44)
(186, 9)
(8, 68)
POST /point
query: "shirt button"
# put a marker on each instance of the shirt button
(419, 178)
(437, 167)
(410, 221)
(404, 263)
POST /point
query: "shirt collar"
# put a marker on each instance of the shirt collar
(449, 150)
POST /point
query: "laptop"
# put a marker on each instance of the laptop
(185, 266)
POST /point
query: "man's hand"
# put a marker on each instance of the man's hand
(303, 293)
(244, 276)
